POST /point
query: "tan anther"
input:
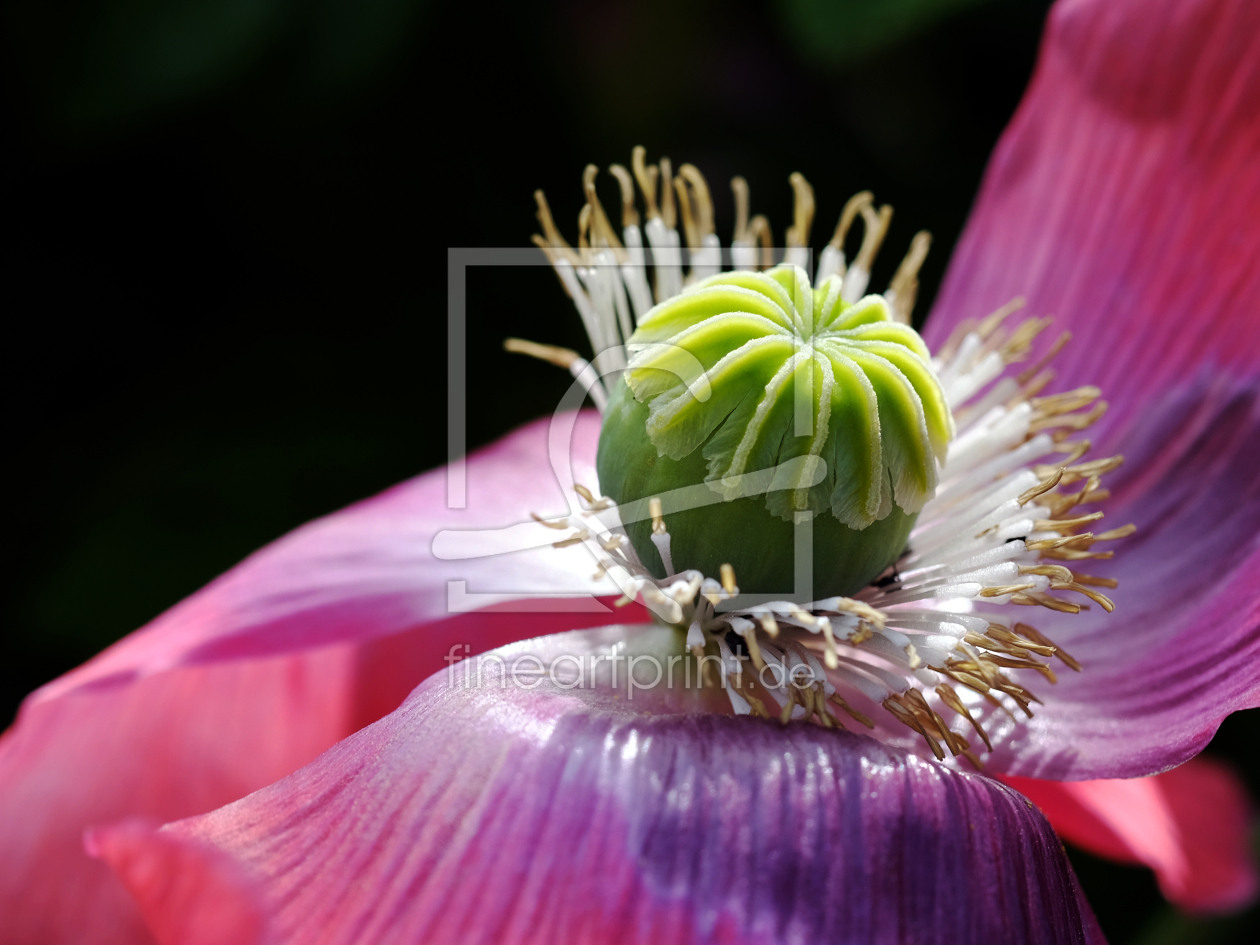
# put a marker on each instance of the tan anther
(1063, 524)
(559, 524)
(1022, 643)
(830, 653)
(1031, 388)
(820, 708)
(593, 504)
(691, 232)
(852, 208)
(912, 656)
(1102, 600)
(903, 713)
(1046, 484)
(932, 721)
(1038, 366)
(1004, 589)
(948, 696)
(876, 229)
(759, 232)
(904, 287)
(622, 601)
(785, 715)
(1035, 599)
(991, 322)
(561, 357)
(728, 579)
(1079, 471)
(667, 193)
(1068, 421)
(747, 688)
(770, 625)
(1066, 401)
(1124, 531)
(658, 517)
(1032, 633)
(702, 201)
(739, 188)
(646, 178)
(612, 542)
(584, 242)
(1014, 662)
(575, 539)
(629, 215)
(1053, 544)
(1054, 571)
(551, 232)
(837, 699)
(802, 210)
(861, 610)
(1016, 347)
(1090, 579)
(754, 650)
(1072, 554)
(602, 232)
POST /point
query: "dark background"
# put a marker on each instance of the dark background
(226, 269)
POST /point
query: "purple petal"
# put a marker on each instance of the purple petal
(1182, 649)
(1124, 199)
(245, 681)
(489, 814)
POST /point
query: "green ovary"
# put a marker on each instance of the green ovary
(782, 404)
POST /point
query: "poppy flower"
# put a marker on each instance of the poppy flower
(1123, 198)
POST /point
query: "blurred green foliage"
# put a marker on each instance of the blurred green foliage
(99, 64)
(836, 33)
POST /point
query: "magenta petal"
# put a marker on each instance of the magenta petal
(192, 895)
(370, 569)
(1191, 825)
(1182, 649)
(488, 814)
(245, 681)
(1124, 199)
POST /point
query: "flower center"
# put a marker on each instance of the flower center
(1003, 522)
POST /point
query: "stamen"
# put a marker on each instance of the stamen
(578, 366)
(999, 531)
(832, 260)
(904, 288)
(739, 187)
(797, 236)
(646, 177)
(1030, 372)
(660, 536)
(859, 275)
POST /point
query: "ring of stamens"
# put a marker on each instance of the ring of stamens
(937, 636)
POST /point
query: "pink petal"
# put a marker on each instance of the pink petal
(193, 895)
(490, 814)
(1124, 198)
(302, 644)
(1182, 649)
(1191, 825)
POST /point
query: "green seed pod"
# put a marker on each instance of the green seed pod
(788, 405)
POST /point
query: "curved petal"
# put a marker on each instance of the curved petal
(496, 813)
(1191, 825)
(246, 681)
(371, 569)
(1182, 649)
(1124, 198)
